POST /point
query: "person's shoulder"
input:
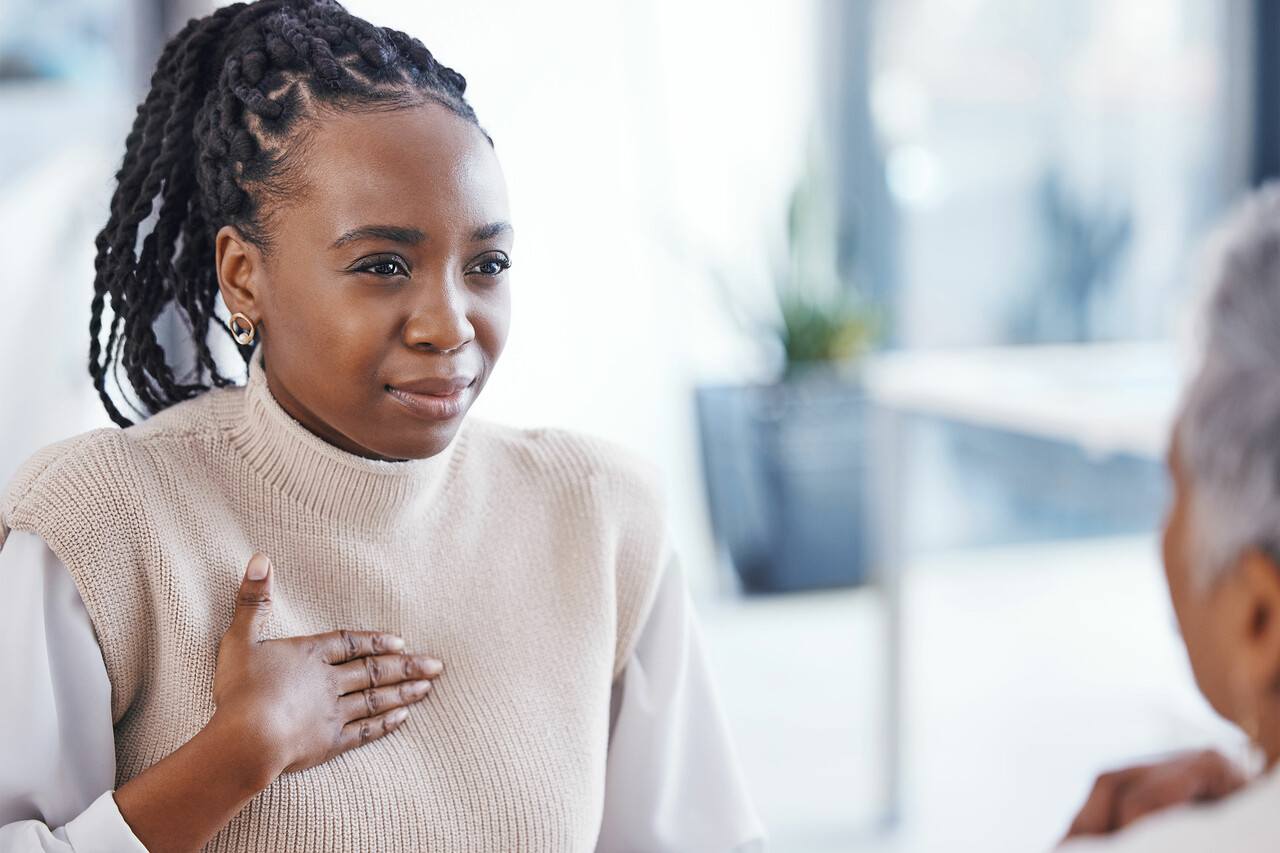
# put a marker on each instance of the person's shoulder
(563, 454)
(101, 458)
(57, 459)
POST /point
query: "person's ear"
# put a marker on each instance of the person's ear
(240, 273)
(1257, 588)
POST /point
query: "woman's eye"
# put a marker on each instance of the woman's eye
(385, 267)
(491, 267)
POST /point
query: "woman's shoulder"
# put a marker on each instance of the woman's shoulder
(101, 458)
(61, 458)
(556, 453)
(54, 476)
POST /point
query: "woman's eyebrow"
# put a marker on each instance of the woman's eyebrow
(394, 233)
(493, 229)
(412, 236)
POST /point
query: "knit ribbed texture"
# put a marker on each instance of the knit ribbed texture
(525, 560)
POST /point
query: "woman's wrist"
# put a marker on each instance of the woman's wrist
(251, 762)
(182, 801)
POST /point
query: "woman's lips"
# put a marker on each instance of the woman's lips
(438, 406)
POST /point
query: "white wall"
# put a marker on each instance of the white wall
(49, 215)
(644, 143)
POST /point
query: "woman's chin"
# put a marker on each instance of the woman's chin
(421, 443)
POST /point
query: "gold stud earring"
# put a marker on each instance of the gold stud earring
(242, 328)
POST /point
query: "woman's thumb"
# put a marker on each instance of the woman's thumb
(253, 601)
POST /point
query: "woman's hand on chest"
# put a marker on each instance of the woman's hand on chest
(299, 701)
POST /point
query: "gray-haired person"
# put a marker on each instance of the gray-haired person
(1222, 562)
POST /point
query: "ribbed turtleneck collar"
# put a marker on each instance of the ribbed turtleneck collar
(353, 491)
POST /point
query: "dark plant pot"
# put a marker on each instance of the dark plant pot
(786, 472)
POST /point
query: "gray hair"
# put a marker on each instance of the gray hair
(1228, 438)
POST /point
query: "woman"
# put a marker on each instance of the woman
(1222, 562)
(466, 637)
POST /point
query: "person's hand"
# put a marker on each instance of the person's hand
(1122, 796)
(297, 702)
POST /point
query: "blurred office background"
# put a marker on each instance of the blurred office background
(947, 613)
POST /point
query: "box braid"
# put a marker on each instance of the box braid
(213, 144)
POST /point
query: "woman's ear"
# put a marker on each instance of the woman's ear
(1257, 585)
(239, 265)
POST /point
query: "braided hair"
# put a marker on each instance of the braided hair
(214, 144)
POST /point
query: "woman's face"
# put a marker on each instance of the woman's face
(1193, 604)
(382, 302)
(1231, 626)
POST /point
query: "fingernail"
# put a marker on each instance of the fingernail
(258, 566)
(433, 667)
(398, 715)
(395, 643)
(421, 687)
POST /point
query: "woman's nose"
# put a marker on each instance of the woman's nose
(439, 319)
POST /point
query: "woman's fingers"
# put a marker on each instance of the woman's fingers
(341, 646)
(380, 670)
(359, 732)
(376, 700)
(1195, 778)
(1123, 796)
(1098, 814)
(253, 601)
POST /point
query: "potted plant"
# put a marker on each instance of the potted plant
(785, 461)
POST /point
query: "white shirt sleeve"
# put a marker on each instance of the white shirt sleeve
(673, 783)
(57, 747)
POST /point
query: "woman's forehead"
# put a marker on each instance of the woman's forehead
(419, 167)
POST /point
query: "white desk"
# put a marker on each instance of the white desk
(1105, 398)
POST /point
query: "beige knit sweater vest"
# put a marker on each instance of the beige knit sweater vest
(526, 561)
